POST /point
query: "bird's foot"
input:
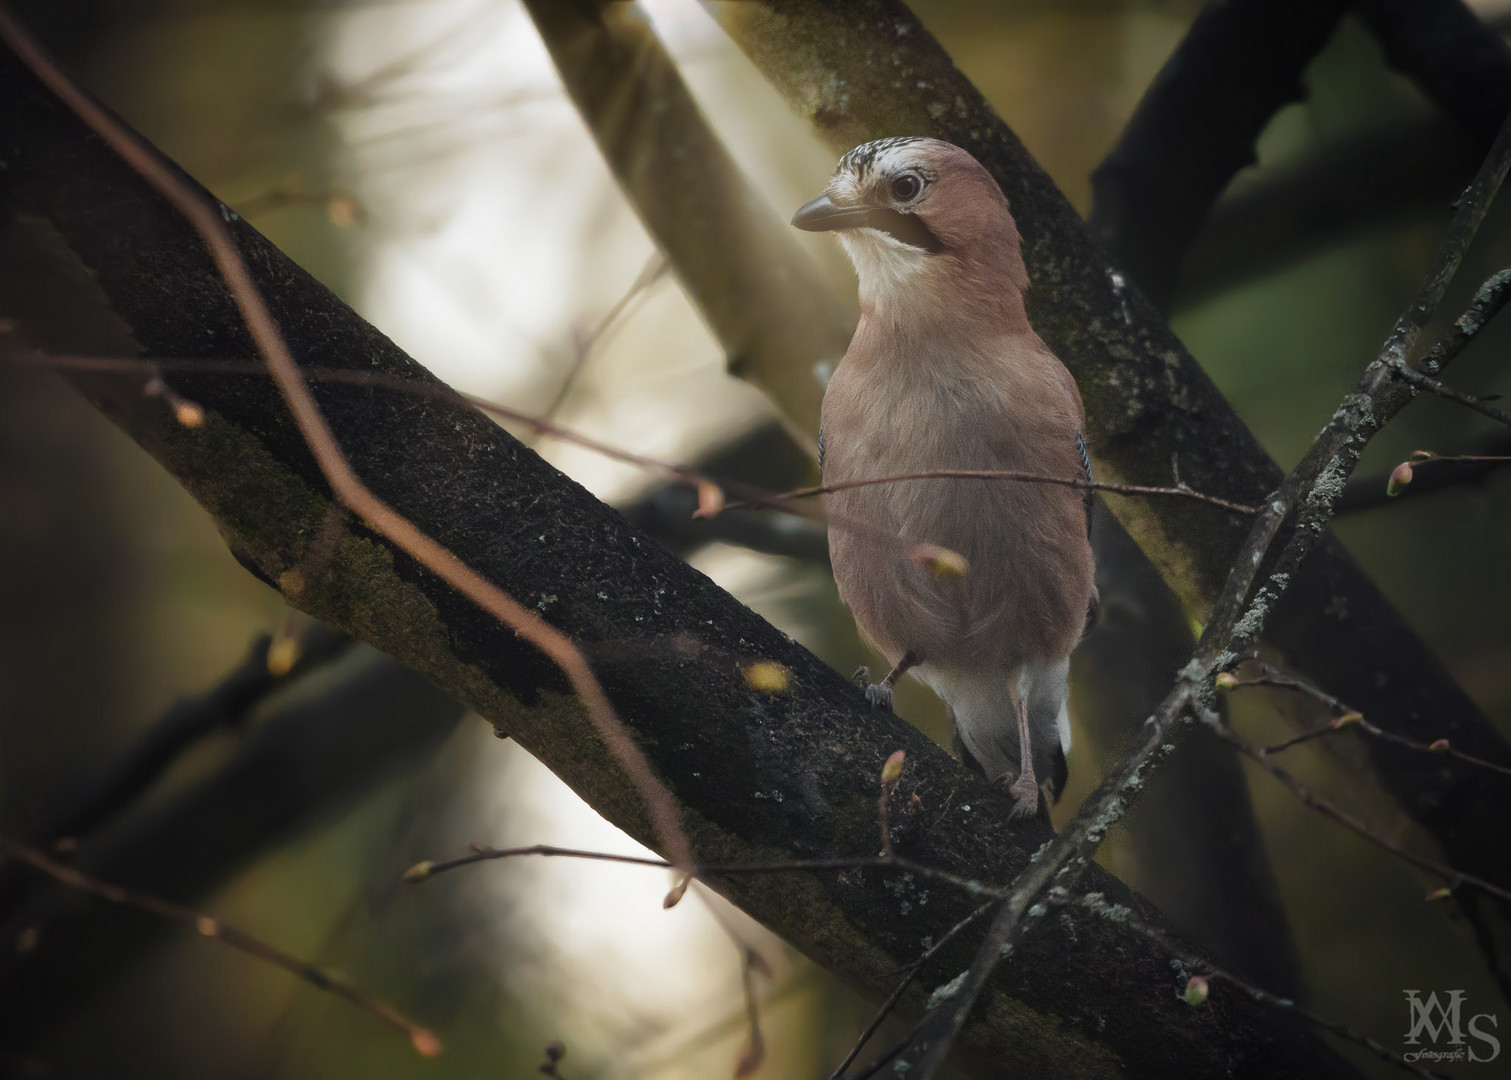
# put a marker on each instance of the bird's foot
(879, 694)
(1025, 795)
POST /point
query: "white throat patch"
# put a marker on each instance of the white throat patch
(889, 270)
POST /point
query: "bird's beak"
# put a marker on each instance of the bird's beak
(823, 214)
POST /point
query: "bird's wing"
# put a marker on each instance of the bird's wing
(1085, 467)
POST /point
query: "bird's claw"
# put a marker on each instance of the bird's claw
(879, 694)
(1025, 795)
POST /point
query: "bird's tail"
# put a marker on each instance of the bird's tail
(981, 707)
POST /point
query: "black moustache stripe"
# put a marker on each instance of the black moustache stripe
(905, 227)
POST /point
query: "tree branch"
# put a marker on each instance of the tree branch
(866, 69)
(1239, 63)
(756, 773)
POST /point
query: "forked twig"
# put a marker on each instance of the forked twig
(421, 1038)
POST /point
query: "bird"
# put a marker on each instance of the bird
(944, 372)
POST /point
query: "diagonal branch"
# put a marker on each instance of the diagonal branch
(350, 490)
(1196, 126)
(756, 773)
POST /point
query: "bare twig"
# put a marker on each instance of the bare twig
(1344, 719)
(655, 268)
(349, 489)
(753, 1053)
(748, 496)
(1180, 491)
(422, 1039)
(1316, 802)
(885, 1009)
(1489, 298)
(1431, 385)
(427, 869)
(1124, 916)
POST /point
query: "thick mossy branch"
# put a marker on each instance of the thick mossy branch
(787, 774)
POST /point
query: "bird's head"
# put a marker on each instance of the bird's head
(926, 226)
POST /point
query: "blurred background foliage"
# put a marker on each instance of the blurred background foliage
(420, 157)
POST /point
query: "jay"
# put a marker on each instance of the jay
(945, 373)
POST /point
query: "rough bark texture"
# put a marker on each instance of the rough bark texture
(865, 69)
(790, 774)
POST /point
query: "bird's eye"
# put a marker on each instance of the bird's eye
(905, 187)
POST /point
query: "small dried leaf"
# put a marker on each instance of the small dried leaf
(766, 677)
(1196, 990)
(710, 499)
(1399, 478)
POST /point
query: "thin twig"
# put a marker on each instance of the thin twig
(656, 267)
(427, 869)
(1181, 491)
(1121, 915)
(886, 1007)
(1316, 802)
(1346, 718)
(422, 1039)
(660, 805)
(748, 496)
(1431, 385)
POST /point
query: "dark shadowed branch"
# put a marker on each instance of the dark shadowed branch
(1239, 63)
(1459, 63)
(327, 741)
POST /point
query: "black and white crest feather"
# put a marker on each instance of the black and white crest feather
(863, 157)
